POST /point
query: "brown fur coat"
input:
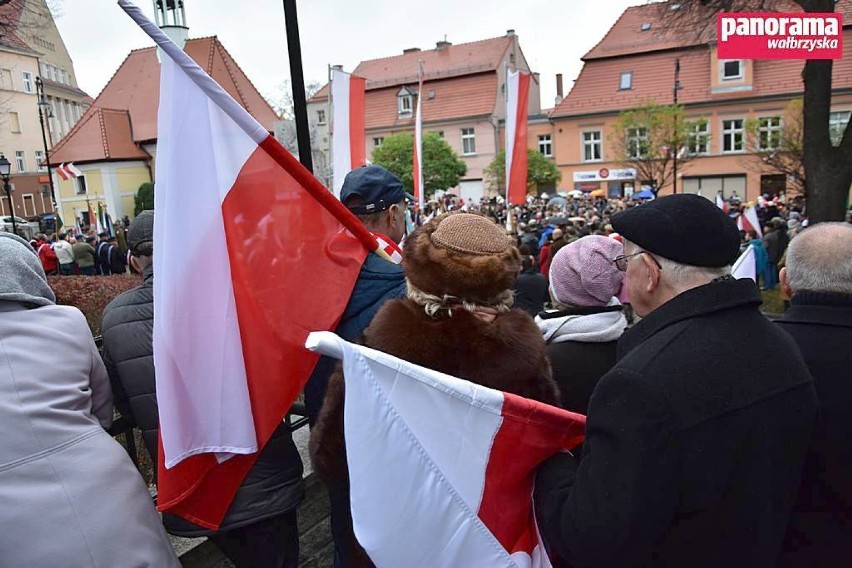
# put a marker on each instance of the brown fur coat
(507, 354)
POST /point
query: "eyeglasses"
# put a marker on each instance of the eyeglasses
(621, 260)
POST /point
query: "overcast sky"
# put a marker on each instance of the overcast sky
(553, 34)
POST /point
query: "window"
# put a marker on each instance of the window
(80, 183)
(28, 82)
(637, 143)
(646, 26)
(440, 133)
(320, 117)
(378, 141)
(592, 146)
(731, 70)
(769, 132)
(837, 125)
(732, 135)
(21, 160)
(52, 70)
(698, 139)
(468, 139)
(14, 122)
(6, 76)
(626, 81)
(405, 101)
(545, 146)
(40, 163)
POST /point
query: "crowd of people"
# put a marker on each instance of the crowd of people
(81, 254)
(715, 436)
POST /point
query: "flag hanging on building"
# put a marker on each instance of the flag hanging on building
(219, 290)
(348, 137)
(748, 221)
(441, 470)
(516, 137)
(745, 266)
(419, 190)
(68, 171)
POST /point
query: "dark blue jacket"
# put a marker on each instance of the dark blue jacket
(378, 281)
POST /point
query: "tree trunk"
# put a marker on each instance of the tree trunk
(828, 169)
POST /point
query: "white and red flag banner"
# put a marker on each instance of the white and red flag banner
(348, 123)
(516, 137)
(419, 190)
(748, 221)
(261, 260)
(721, 203)
(441, 470)
(68, 171)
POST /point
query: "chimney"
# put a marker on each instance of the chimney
(337, 67)
(171, 18)
(559, 92)
(411, 50)
(510, 32)
(443, 44)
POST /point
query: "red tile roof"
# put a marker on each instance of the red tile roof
(103, 134)
(451, 61)
(10, 19)
(626, 36)
(135, 87)
(473, 95)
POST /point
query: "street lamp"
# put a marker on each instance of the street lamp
(5, 170)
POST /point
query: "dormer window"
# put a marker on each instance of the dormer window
(731, 70)
(405, 101)
(646, 26)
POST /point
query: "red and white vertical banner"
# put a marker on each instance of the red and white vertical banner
(419, 190)
(516, 136)
(748, 221)
(348, 137)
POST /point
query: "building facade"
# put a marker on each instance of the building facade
(635, 63)
(463, 100)
(32, 48)
(114, 144)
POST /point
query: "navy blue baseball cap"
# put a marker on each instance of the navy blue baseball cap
(377, 188)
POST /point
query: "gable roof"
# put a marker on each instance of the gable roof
(450, 61)
(10, 19)
(103, 134)
(135, 89)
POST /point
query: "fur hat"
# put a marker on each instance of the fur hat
(462, 255)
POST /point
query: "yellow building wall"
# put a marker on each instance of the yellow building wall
(127, 180)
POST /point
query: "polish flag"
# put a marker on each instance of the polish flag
(747, 221)
(516, 137)
(721, 203)
(441, 469)
(68, 171)
(347, 98)
(419, 191)
(251, 254)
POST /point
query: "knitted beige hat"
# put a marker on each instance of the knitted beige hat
(462, 255)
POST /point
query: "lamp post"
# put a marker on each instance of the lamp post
(44, 109)
(5, 170)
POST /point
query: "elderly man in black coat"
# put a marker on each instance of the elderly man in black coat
(695, 439)
(818, 278)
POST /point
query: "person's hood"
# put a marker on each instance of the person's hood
(22, 277)
(600, 326)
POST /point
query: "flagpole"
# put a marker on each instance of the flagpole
(297, 80)
(329, 107)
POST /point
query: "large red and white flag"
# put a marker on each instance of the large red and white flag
(348, 137)
(419, 191)
(68, 171)
(748, 221)
(251, 255)
(721, 203)
(441, 470)
(516, 137)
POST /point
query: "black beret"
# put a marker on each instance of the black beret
(685, 228)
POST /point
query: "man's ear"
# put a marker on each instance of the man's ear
(653, 273)
(785, 283)
(134, 262)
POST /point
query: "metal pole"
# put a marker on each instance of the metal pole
(40, 89)
(675, 150)
(297, 80)
(8, 188)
